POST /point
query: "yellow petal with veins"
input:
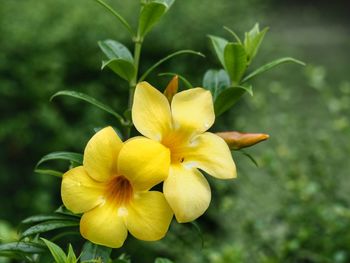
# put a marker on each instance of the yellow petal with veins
(193, 110)
(187, 192)
(210, 153)
(144, 162)
(79, 191)
(101, 153)
(149, 216)
(104, 226)
(151, 112)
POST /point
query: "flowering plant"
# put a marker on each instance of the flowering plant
(151, 163)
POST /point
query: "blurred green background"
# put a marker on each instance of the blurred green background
(294, 208)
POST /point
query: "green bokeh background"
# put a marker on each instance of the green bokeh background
(294, 208)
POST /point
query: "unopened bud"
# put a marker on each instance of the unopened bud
(172, 88)
(237, 140)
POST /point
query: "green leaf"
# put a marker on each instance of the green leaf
(95, 252)
(117, 15)
(91, 100)
(271, 65)
(48, 172)
(71, 257)
(187, 84)
(253, 40)
(48, 226)
(114, 49)
(22, 247)
(235, 61)
(120, 59)
(151, 13)
(233, 33)
(228, 97)
(219, 45)
(163, 260)
(41, 218)
(249, 157)
(177, 53)
(68, 156)
(216, 81)
(56, 252)
(123, 68)
(64, 211)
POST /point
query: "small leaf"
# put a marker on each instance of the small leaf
(177, 53)
(64, 211)
(114, 49)
(227, 98)
(71, 257)
(48, 172)
(123, 68)
(68, 156)
(249, 156)
(151, 13)
(117, 15)
(235, 61)
(22, 247)
(253, 40)
(163, 260)
(120, 59)
(216, 81)
(48, 226)
(95, 252)
(41, 218)
(91, 100)
(233, 33)
(56, 252)
(271, 65)
(219, 45)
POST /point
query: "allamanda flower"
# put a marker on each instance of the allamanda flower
(112, 189)
(182, 128)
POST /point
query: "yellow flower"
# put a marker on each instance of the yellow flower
(182, 129)
(112, 189)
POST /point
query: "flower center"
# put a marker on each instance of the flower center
(119, 190)
(176, 142)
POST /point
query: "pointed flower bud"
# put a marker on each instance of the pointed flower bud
(237, 140)
(172, 88)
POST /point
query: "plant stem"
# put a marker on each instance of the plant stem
(138, 40)
(133, 82)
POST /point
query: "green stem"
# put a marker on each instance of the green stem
(132, 84)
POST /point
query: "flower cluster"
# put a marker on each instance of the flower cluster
(113, 187)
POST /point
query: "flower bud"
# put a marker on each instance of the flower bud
(172, 88)
(237, 140)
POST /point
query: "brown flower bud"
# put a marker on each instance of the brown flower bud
(172, 88)
(237, 140)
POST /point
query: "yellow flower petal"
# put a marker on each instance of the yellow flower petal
(102, 225)
(149, 216)
(193, 110)
(187, 192)
(151, 112)
(144, 162)
(211, 154)
(101, 153)
(79, 191)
